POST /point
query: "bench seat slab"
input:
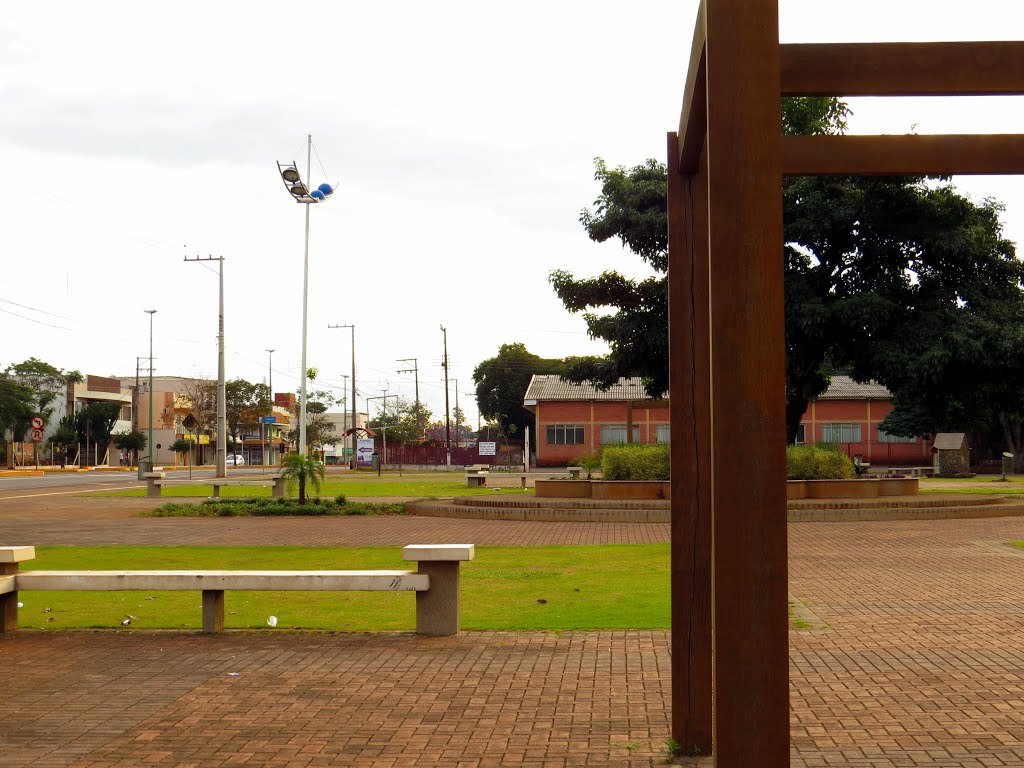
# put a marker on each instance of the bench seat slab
(304, 581)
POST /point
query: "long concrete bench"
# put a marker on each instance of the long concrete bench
(436, 584)
(155, 481)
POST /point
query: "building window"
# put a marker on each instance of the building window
(615, 434)
(565, 434)
(663, 433)
(126, 413)
(885, 437)
(801, 435)
(840, 433)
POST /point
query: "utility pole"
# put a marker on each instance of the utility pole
(447, 413)
(355, 444)
(222, 432)
(149, 445)
(344, 410)
(457, 414)
(268, 457)
(415, 371)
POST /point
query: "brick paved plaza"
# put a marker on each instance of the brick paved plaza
(919, 661)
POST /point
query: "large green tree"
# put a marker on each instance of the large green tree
(870, 263)
(402, 420)
(244, 403)
(30, 388)
(95, 422)
(501, 383)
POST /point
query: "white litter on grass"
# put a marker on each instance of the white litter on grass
(272, 621)
(21, 605)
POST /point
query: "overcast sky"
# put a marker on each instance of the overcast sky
(461, 136)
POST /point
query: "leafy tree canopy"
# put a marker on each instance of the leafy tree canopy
(501, 383)
(876, 269)
(402, 420)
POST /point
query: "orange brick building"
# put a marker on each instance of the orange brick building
(575, 420)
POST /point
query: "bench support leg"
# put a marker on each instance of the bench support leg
(152, 489)
(216, 491)
(8, 602)
(437, 609)
(213, 610)
(277, 492)
(522, 481)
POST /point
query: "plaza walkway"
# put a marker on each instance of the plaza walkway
(913, 656)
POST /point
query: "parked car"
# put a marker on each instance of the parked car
(235, 460)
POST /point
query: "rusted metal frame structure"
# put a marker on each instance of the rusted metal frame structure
(726, 163)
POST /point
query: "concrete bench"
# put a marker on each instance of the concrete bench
(155, 481)
(911, 471)
(574, 472)
(476, 479)
(436, 584)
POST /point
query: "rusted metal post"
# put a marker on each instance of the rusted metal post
(689, 373)
(751, 667)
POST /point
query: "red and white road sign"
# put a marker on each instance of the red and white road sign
(37, 422)
(37, 435)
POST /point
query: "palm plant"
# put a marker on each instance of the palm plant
(296, 467)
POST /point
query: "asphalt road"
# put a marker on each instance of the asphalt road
(97, 481)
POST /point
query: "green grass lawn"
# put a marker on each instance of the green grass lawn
(356, 488)
(504, 588)
(1000, 489)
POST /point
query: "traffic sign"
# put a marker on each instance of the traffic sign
(37, 422)
(37, 435)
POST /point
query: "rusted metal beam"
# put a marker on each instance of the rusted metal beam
(903, 69)
(694, 117)
(977, 154)
(689, 375)
(751, 664)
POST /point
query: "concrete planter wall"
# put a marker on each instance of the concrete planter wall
(602, 489)
(563, 489)
(851, 489)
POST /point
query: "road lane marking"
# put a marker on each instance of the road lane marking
(65, 493)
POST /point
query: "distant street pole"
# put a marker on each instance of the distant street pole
(415, 371)
(355, 443)
(222, 431)
(149, 464)
(270, 409)
(447, 412)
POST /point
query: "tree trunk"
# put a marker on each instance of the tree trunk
(1013, 433)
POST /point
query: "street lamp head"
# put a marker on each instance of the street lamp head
(150, 311)
(290, 174)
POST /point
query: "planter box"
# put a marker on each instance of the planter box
(563, 489)
(602, 489)
(630, 489)
(851, 489)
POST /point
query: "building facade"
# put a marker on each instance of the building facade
(575, 420)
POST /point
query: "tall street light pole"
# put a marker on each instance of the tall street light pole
(149, 464)
(293, 182)
(447, 418)
(270, 408)
(355, 439)
(222, 431)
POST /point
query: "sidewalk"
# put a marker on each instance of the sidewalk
(920, 663)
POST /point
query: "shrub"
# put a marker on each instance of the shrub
(818, 462)
(340, 500)
(588, 462)
(635, 462)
